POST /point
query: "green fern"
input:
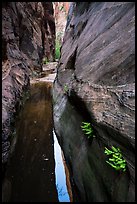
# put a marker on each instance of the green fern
(87, 129)
(57, 49)
(116, 160)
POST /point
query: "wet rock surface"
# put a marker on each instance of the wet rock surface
(48, 73)
(28, 35)
(97, 67)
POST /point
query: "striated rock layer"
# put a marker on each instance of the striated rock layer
(96, 83)
(28, 35)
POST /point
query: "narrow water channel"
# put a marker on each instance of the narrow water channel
(62, 179)
(33, 173)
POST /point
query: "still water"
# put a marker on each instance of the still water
(36, 168)
(61, 185)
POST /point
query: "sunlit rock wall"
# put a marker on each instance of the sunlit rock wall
(60, 13)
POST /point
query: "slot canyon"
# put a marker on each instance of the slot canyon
(68, 101)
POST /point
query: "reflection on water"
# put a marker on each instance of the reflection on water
(30, 175)
(63, 195)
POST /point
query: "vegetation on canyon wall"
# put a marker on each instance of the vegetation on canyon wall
(87, 129)
(57, 49)
(116, 159)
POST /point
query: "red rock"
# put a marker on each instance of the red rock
(28, 35)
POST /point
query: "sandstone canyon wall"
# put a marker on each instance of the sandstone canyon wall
(96, 83)
(28, 35)
(60, 14)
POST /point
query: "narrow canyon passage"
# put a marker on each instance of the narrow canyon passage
(30, 173)
(68, 102)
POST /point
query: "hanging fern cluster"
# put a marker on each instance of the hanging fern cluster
(115, 159)
(87, 129)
